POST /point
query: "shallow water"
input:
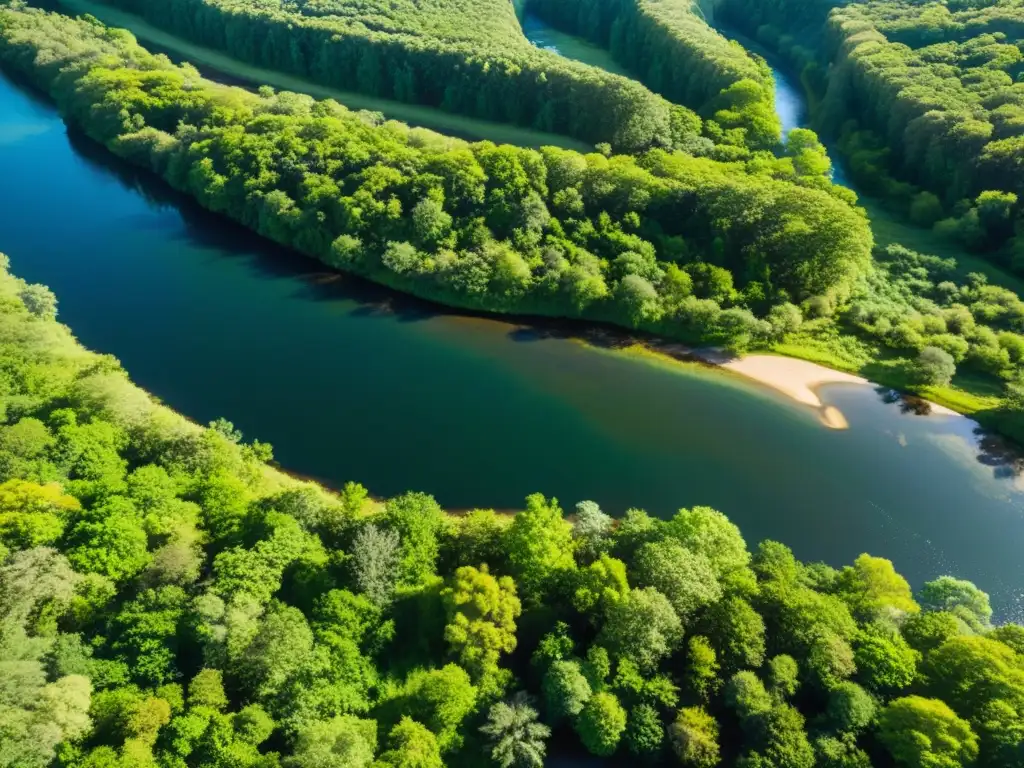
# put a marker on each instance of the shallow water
(352, 382)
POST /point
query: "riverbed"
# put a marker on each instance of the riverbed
(352, 382)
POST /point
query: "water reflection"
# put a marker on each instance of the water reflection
(990, 449)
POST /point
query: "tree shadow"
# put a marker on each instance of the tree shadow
(909, 405)
(203, 229)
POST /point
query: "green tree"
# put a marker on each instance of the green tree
(643, 627)
(146, 634)
(515, 736)
(783, 675)
(736, 632)
(375, 563)
(840, 752)
(482, 613)
(207, 690)
(925, 733)
(885, 662)
(601, 724)
(934, 367)
(411, 745)
(645, 732)
(959, 597)
(341, 742)
(928, 630)
(701, 667)
(566, 690)
(711, 534)
(694, 738)
(540, 547)
(39, 301)
(33, 515)
(871, 587)
(110, 542)
(591, 529)
(830, 660)
(850, 708)
(746, 695)
(686, 578)
(968, 671)
(600, 585)
(279, 648)
(417, 519)
(440, 699)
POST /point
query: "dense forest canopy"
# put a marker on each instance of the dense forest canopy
(927, 99)
(670, 47)
(468, 58)
(670, 242)
(167, 600)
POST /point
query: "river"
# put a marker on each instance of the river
(352, 382)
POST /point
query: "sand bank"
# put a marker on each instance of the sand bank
(798, 379)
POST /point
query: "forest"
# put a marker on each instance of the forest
(668, 242)
(167, 598)
(927, 103)
(468, 58)
(671, 48)
(171, 599)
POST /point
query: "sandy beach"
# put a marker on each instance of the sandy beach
(798, 379)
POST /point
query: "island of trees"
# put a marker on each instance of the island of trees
(665, 241)
(167, 599)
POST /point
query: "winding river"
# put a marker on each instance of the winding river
(352, 382)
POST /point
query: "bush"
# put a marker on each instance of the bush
(934, 367)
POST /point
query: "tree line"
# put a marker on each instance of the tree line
(465, 58)
(168, 600)
(687, 246)
(674, 51)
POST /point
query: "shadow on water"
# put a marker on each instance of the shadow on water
(907, 403)
(207, 230)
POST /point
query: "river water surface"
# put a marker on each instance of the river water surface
(351, 382)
